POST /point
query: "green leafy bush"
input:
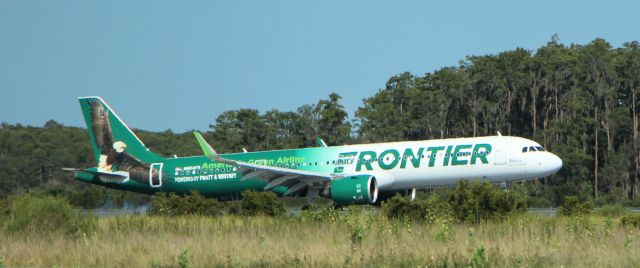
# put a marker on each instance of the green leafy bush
(183, 259)
(474, 202)
(611, 210)
(83, 197)
(630, 220)
(479, 258)
(252, 203)
(420, 209)
(316, 214)
(5, 209)
(171, 204)
(573, 205)
(90, 197)
(261, 203)
(42, 215)
(538, 202)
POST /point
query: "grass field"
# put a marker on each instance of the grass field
(354, 239)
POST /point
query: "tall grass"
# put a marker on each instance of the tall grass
(331, 238)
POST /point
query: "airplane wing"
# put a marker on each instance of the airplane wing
(296, 180)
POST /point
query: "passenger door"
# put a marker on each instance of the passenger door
(500, 153)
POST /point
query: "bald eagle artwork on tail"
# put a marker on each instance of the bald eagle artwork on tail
(113, 155)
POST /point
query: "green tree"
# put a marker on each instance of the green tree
(332, 121)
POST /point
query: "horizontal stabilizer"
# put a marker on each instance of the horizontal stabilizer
(114, 177)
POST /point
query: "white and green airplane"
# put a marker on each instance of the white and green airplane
(348, 174)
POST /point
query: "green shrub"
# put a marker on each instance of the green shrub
(5, 208)
(611, 210)
(233, 207)
(630, 220)
(261, 203)
(91, 197)
(252, 203)
(183, 259)
(192, 204)
(631, 202)
(316, 214)
(479, 258)
(573, 205)
(401, 207)
(42, 215)
(475, 202)
(538, 202)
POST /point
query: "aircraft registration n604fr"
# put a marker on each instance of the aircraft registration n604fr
(348, 174)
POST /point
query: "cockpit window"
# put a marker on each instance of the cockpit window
(532, 149)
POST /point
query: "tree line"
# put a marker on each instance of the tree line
(579, 101)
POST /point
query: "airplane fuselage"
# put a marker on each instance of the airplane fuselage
(348, 174)
(396, 165)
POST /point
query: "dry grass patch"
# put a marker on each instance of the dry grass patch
(143, 241)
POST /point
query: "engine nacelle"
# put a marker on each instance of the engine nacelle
(355, 190)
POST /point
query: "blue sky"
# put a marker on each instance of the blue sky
(178, 64)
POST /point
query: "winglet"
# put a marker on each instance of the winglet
(206, 148)
(320, 142)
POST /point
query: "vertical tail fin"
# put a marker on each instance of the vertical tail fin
(109, 135)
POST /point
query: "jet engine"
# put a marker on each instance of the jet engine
(354, 190)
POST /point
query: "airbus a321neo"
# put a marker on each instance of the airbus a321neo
(349, 174)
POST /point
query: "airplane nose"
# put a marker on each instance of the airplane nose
(555, 163)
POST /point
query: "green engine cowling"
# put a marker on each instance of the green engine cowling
(354, 190)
